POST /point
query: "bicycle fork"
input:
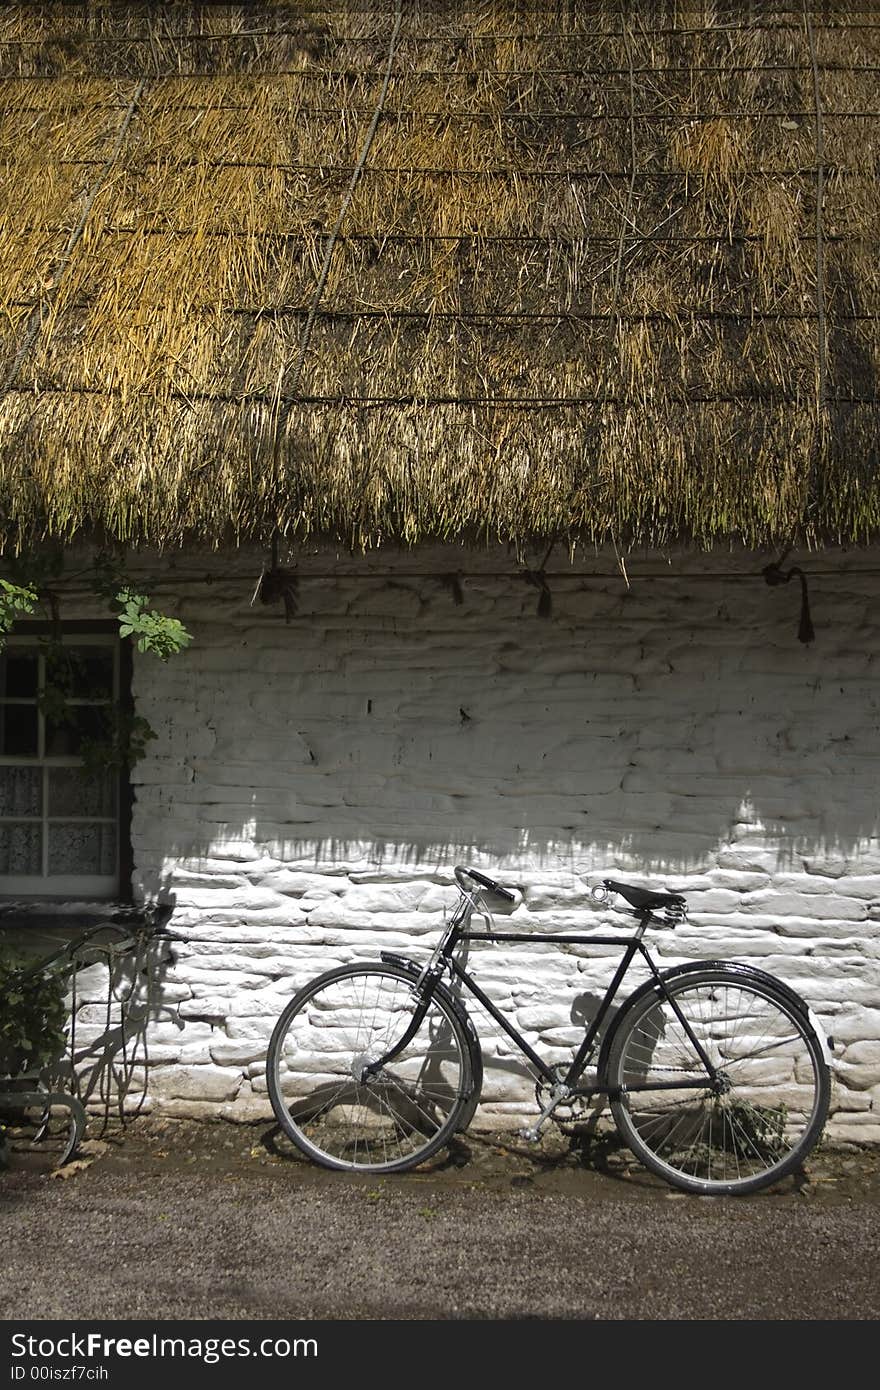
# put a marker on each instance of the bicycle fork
(424, 985)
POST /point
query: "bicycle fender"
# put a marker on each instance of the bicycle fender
(414, 969)
(745, 972)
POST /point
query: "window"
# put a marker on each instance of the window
(59, 823)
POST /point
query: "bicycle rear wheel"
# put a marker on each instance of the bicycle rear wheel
(765, 1111)
(325, 1037)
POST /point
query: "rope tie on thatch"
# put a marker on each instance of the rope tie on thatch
(538, 579)
(452, 582)
(41, 309)
(774, 574)
(545, 600)
(276, 583)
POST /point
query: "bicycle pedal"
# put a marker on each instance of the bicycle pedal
(531, 1136)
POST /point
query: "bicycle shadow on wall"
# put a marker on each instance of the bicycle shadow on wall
(113, 976)
(588, 1127)
(113, 1000)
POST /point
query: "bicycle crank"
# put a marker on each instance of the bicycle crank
(565, 1106)
(551, 1097)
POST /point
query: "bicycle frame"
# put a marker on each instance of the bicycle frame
(733, 1075)
(458, 932)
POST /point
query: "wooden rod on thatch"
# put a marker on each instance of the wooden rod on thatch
(285, 400)
(756, 25)
(420, 36)
(496, 117)
(626, 213)
(491, 316)
(561, 316)
(768, 397)
(381, 236)
(463, 172)
(732, 69)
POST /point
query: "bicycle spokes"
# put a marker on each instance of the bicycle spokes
(743, 1117)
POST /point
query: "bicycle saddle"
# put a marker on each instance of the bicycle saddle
(642, 898)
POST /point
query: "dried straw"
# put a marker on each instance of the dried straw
(582, 290)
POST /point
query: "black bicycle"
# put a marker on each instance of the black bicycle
(716, 1072)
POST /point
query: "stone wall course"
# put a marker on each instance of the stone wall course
(314, 783)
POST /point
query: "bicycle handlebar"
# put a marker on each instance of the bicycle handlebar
(484, 881)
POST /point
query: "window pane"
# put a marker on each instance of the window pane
(21, 849)
(18, 674)
(82, 849)
(64, 738)
(83, 673)
(21, 791)
(18, 731)
(73, 792)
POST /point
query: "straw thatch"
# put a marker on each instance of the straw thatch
(579, 269)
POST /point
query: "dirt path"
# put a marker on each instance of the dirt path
(182, 1220)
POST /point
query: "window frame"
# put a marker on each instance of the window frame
(47, 887)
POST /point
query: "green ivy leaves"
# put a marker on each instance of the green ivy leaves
(15, 600)
(33, 1020)
(154, 632)
(126, 737)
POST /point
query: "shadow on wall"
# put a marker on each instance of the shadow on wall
(115, 981)
(671, 727)
(113, 1003)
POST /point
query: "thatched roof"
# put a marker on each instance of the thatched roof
(578, 269)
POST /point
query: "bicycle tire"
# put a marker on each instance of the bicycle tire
(775, 1084)
(396, 1119)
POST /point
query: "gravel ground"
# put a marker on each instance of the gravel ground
(181, 1220)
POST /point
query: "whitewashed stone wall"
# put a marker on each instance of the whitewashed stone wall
(314, 783)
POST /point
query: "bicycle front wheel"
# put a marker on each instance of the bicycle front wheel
(323, 1041)
(764, 1110)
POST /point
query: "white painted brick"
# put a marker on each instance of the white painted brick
(853, 1025)
(254, 1026)
(296, 884)
(858, 1075)
(542, 1019)
(263, 1004)
(868, 1052)
(853, 1103)
(564, 1038)
(238, 1053)
(205, 1008)
(202, 1083)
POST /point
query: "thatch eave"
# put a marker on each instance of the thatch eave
(496, 272)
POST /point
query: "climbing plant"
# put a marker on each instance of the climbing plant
(32, 1022)
(33, 587)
